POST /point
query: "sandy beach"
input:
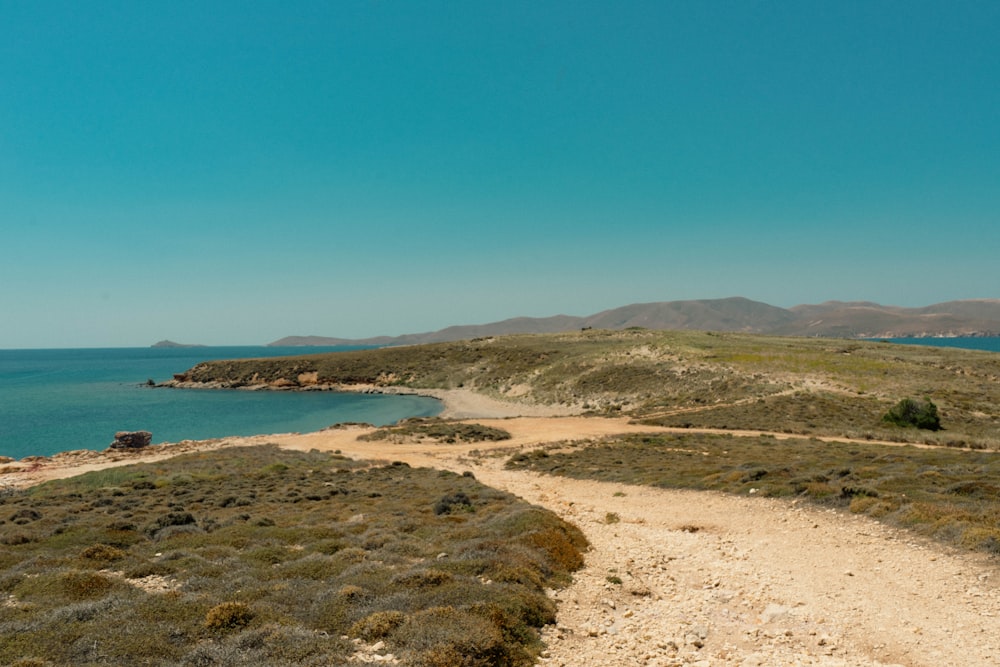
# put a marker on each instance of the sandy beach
(706, 579)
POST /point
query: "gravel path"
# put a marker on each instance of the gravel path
(712, 580)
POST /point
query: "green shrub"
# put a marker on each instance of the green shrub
(228, 615)
(421, 579)
(147, 569)
(103, 553)
(911, 412)
(378, 625)
(525, 576)
(455, 502)
(562, 544)
(84, 585)
(448, 637)
(156, 528)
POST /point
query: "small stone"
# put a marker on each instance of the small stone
(773, 612)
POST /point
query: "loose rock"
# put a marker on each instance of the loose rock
(132, 440)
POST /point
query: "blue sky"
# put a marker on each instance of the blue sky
(231, 172)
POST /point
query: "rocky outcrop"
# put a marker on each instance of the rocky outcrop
(131, 440)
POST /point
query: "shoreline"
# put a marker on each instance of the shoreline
(457, 404)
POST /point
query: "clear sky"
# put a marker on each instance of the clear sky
(233, 172)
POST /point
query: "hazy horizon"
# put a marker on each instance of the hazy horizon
(344, 341)
(228, 175)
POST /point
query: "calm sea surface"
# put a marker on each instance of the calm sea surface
(60, 400)
(988, 344)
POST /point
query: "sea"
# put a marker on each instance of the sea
(61, 400)
(975, 343)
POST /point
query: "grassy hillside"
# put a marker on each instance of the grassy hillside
(809, 386)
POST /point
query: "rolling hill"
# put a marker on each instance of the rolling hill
(840, 319)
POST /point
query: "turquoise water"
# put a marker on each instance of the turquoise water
(60, 400)
(981, 343)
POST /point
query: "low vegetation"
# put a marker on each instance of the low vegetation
(950, 495)
(268, 557)
(432, 429)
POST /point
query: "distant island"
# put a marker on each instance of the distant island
(170, 343)
(832, 319)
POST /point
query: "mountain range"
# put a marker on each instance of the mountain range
(840, 319)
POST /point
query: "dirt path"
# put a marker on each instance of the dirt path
(708, 580)
(713, 580)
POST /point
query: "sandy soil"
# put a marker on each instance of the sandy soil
(700, 579)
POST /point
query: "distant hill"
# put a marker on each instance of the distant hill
(170, 343)
(979, 317)
(857, 319)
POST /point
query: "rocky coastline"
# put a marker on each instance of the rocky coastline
(303, 382)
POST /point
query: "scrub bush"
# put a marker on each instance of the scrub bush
(228, 615)
(911, 412)
(378, 625)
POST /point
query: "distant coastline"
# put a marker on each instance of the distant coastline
(969, 334)
(969, 318)
(172, 344)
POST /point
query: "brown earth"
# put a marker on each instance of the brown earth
(694, 578)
